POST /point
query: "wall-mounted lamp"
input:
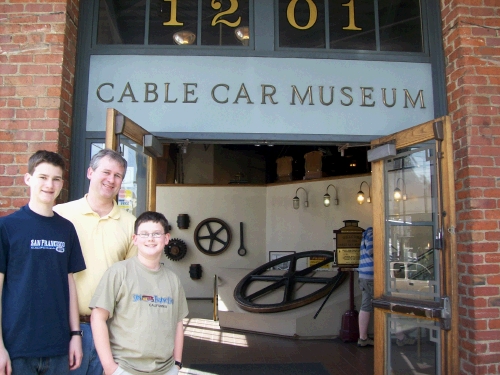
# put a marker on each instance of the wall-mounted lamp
(296, 201)
(326, 197)
(184, 37)
(361, 195)
(398, 195)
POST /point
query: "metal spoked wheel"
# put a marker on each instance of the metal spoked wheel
(212, 236)
(287, 282)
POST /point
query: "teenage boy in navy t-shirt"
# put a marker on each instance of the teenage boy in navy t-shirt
(39, 252)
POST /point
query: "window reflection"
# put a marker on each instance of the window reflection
(353, 26)
(167, 18)
(301, 24)
(400, 25)
(121, 22)
(219, 24)
(311, 24)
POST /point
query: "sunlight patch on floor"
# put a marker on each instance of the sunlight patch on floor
(209, 330)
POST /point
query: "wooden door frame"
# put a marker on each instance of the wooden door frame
(136, 133)
(449, 285)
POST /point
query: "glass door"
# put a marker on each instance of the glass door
(414, 247)
(140, 149)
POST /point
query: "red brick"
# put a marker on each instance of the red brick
(29, 102)
(49, 102)
(474, 347)
(492, 214)
(33, 69)
(7, 113)
(28, 135)
(492, 258)
(485, 358)
(30, 113)
(474, 302)
(482, 225)
(16, 124)
(7, 91)
(485, 291)
(484, 313)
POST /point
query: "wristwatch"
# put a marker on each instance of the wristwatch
(177, 363)
(76, 333)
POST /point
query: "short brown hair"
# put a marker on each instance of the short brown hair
(113, 155)
(153, 216)
(43, 156)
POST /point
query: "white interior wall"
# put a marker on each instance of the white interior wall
(311, 228)
(231, 204)
(270, 222)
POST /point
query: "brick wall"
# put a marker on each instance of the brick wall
(471, 30)
(37, 64)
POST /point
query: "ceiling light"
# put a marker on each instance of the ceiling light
(242, 34)
(185, 37)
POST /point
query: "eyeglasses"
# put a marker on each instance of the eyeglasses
(154, 235)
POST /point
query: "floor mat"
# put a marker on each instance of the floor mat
(258, 369)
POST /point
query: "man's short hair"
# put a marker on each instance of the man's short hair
(96, 159)
(43, 156)
(153, 216)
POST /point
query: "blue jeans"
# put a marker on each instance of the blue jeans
(91, 365)
(58, 365)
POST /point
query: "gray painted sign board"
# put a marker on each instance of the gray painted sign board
(258, 95)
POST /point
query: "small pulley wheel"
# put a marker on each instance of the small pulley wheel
(176, 249)
(212, 236)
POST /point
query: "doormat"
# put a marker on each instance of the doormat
(258, 369)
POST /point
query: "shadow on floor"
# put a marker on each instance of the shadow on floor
(206, 343)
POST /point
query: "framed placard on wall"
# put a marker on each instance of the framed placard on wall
(273, 255)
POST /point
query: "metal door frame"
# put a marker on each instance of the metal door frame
(117, 124)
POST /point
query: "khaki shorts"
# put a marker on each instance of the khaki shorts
(366, 286)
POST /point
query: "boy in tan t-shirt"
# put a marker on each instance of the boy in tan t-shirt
(145, 304)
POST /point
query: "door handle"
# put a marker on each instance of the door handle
(441, 311)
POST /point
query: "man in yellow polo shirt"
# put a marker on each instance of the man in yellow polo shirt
(105, 232)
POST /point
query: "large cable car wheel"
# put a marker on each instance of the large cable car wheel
(279, 286)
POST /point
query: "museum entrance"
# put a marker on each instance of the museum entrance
(413, 228)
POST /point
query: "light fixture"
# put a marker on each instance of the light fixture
(242, 34)
(326, 197)
(398, 195)
(183, 146)
(296, 201)
(184, 37)
(361, 195)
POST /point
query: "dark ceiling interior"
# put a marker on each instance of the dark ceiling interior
(353, 160)
(349, 159)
